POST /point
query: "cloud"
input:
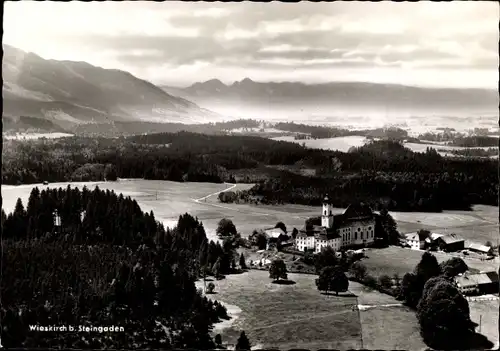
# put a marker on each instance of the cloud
(146, 37)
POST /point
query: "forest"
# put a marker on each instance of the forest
(93, 258)
(383, 173)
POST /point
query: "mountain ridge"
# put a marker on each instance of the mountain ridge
(396, 96)
(72, 92)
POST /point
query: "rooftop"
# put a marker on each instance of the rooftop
(451, 238)
(467, 280)
(479, 247)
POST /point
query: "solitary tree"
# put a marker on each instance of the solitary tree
(325, 258)
(332, 279)
(210, 288)
(218, 341)
(277, 270)
(243, 264)
(216, 269)
(243, 343)
(226, 228)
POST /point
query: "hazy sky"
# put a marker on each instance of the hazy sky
(429, 44)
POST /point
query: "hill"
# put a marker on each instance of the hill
(69, 93)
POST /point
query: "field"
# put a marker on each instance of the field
(298, 316)
(340, 143)
(345, 143)
(168, 200)
(487, 313)
(479, 225)
(398, 260)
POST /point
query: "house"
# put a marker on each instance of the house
(354, 227)
(483, 249)
(481, 283)
(415, 241)
(450, 243)
(276, 233)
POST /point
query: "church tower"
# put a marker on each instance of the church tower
(326, 214)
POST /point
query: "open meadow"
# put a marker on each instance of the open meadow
(344, 143)
(486, 313)
(398, 260)
(169, 199)
(299, 316)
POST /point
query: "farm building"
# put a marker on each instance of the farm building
(415, 241)
(487, 250)
(481, 283)
(276, 233)
(450, 243)
(356, 226)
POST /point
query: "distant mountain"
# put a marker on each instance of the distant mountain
(343, 95)
(30, 125)
(69, 93)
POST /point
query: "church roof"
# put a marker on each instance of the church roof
(358, 210)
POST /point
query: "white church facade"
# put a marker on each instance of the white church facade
(354, 227)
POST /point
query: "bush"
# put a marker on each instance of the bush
(210, 288)
(358, 270)
(385, 281)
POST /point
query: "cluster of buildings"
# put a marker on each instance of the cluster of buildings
(354, 227)
(423, 240)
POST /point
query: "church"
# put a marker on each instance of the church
(354, 227)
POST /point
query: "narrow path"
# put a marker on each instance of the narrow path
(366, 307)
(216, 193)
(201, 202)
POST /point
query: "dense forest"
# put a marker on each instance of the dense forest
(92, 258)
(472, 152)
(475, 141)
(117, 129)
(323, 132)
(382, 173)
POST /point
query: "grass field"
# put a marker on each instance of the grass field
(298, 316)
(345, 143)
(399, 260)
(170, 199)
(487, 313)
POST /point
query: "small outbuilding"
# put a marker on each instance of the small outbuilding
(483, 249)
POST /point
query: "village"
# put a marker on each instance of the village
(353, 233)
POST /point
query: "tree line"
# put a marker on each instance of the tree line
(382, 173)
(80, 257)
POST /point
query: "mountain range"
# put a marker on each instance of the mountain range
(69, 93)
(340, 96)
